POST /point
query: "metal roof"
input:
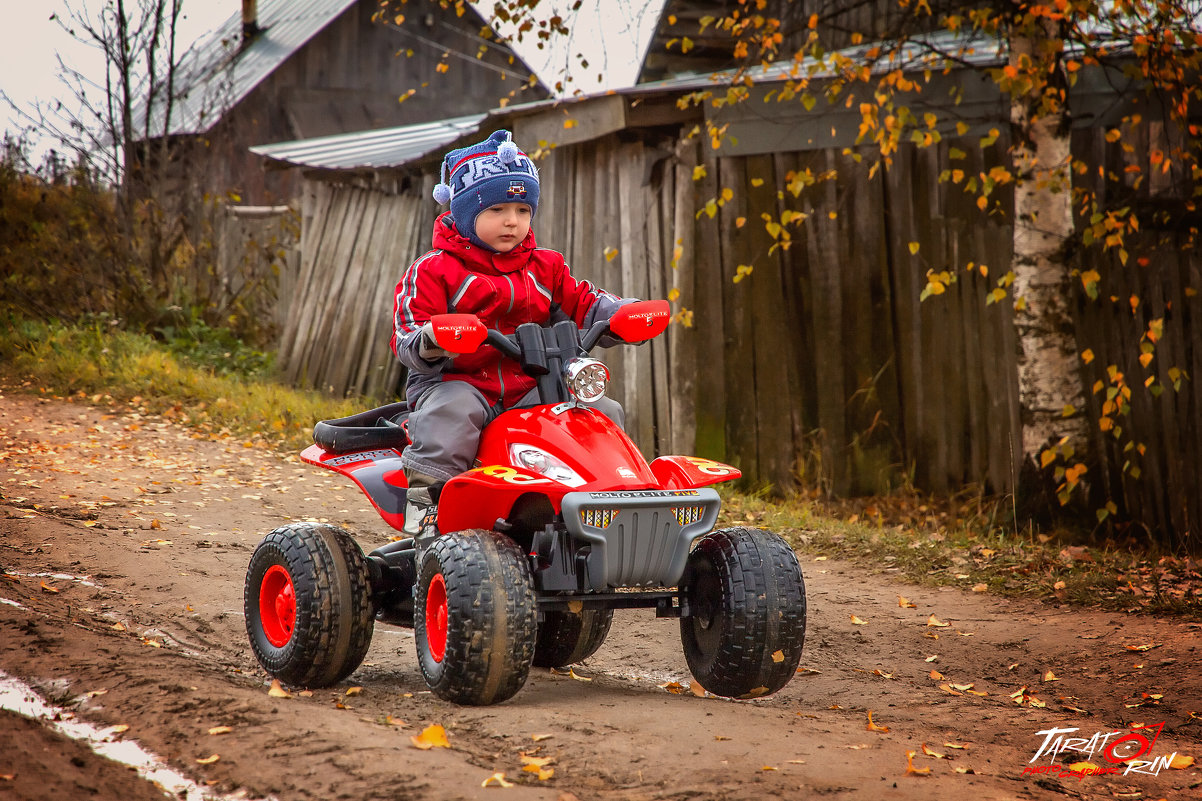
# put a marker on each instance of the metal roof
(217, 73)
(386, 147)
(395, 147)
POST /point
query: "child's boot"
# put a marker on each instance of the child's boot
(421, 511)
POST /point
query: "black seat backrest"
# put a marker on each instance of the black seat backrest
(383, 427)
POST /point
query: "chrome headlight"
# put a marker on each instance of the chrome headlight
(539, 461)
(586, 379)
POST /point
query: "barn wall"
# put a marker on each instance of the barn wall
(350, 77)
(822, 364)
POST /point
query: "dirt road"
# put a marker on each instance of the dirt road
(123, 545)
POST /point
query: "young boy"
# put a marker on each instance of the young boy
(485, 262)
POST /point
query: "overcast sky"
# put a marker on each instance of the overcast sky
(30, 41)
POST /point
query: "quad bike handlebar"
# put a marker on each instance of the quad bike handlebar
(633, 322)
(554, 354)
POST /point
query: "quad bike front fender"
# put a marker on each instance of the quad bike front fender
(691, 472)
(479, 497)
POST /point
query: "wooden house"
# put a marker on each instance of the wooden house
(295, 69)
(810, 357)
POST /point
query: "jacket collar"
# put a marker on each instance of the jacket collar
(447, 238)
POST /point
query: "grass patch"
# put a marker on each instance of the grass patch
(110, 366)
(963, 543)
(213, 386)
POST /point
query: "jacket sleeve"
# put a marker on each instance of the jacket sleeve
(584, 303)
(420, 295)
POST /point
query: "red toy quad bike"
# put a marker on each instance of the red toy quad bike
(562, 522)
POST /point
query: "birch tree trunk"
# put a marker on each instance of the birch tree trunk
(1048, 367)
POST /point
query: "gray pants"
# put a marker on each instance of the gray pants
(445, 429)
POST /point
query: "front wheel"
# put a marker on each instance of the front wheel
(744, 624)
(307, 603)
(475, 617)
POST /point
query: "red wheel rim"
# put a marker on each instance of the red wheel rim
(277, 606)
(436, 617)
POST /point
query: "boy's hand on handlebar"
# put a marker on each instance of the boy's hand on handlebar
(428, 348)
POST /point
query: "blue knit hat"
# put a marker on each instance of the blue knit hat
(480, 176)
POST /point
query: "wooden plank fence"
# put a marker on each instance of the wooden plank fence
(357, 242)
(822, 365)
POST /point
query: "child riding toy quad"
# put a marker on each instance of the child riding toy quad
(562, 522)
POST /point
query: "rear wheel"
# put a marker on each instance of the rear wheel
(475, 617)
(567, 637)
(744, 626)
(307, 603)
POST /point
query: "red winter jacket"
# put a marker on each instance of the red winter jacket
(527, 284)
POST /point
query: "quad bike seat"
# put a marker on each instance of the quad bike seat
(383, 427)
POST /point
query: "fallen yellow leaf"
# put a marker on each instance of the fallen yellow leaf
(947, 688)
(936, 675)
(543, 773)
(49, 588)
(538, 738)
(433, 736)
(936, 622)
(536, 761)
(220, 730)
(1078, 767)
(906, 603)
(911, 770)
(874, 727)
(572, 673)
(209, 760)
(934, 754)
(955, 745)
(278, 691)
(768, 767)
(882, 674)
(696, 689)
(354, 690)
(1148, 647)
(1180, 762)
(496, 780)
(857, 621)
(778, 656)
(674, 687)
(120, 728)
(1050, 676)
(980, 587)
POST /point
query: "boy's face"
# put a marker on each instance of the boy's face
(504, 226)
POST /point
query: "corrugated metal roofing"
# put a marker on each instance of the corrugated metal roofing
(386, 147)
(395, 147)
(215, 74)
